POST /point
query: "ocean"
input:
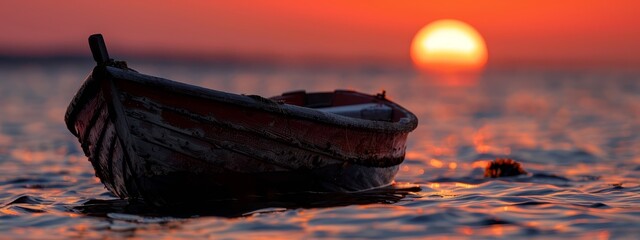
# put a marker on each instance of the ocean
(575, 131)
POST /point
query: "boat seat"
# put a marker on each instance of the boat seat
(368, 111)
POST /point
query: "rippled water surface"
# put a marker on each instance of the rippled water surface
(575, 132)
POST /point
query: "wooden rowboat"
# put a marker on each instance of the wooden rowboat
(167, 142)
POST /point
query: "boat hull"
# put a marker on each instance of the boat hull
(167, 142)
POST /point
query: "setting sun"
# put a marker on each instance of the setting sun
(448, 46)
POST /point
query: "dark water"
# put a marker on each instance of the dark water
(575, 132)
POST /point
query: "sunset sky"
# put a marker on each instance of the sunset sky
(515, 31)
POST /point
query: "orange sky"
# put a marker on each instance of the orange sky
(520, 31)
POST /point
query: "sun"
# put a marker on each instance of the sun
(447, 46)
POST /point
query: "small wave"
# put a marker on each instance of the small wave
(25, 204)
(27, 199)
(611, 188)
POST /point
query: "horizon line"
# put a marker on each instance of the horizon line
(271, 60)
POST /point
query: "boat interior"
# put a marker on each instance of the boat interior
(344, 103)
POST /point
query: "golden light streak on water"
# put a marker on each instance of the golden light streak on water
(480, 164)
(465, 185)
(415, 155)
(604, 234)
(453, 165)
(8, 211)
(497, 230)
(436, 163)
(466, 231)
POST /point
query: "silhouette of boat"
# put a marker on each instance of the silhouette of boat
(167, 142)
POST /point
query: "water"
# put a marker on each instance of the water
(575, 132)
